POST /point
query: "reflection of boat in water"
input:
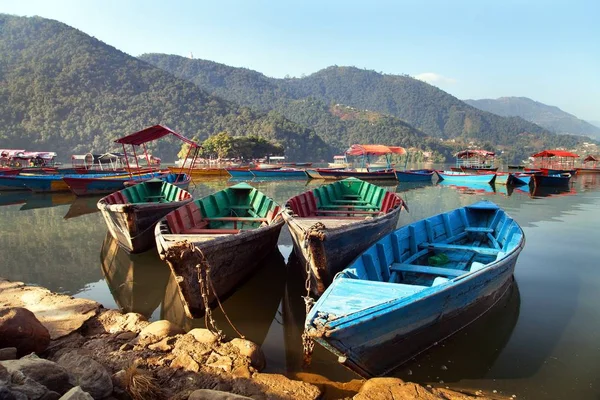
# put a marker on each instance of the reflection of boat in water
(469, 188)
(550, 191)
(137, 282)
(471, 354)
(82, 206)
(16, 197)
(47, 200)
(251, 308)
(403, 187)
(293, 313)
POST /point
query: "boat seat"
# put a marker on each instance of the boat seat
(201, 231)
(445, 246)
(424, 269)
(476, 266)
(235, 220)
(349, 206)
(439, 281)
(477, 229)
(328, 212)
(357, 202)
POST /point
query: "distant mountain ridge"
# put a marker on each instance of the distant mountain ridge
(65, 91)
(550, 117)
(423, 107)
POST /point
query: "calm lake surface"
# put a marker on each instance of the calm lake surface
(541, 342)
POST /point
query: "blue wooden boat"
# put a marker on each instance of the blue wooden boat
(417, 286)
(240, 173)
(55, 183)
(504, 178)
(414, 175)
(10, 183)
(281, 173)
(551, 180)
(454, 176)
(84, 186)
(521, 178)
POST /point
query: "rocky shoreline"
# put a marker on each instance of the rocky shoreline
(55, 346)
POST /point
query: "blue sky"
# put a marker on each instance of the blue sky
(546, 50)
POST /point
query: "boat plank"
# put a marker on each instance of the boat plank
(444, 246)
(424, 269)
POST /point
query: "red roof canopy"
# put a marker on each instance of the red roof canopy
(374, 149)
(153, 133)
(591, 158)
(474, 153)
(555, 153)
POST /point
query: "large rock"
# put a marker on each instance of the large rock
(45, 372)
(203, 335)
(394, 388)
(59, 313)
(207, 394)
(8, 353)
(21, 329)
(87, 373)
(76, 393)
(161, 329)
(252, 351)
(24, 386)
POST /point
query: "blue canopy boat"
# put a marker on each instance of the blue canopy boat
(453, 176)
(417, 286)
(414, 175)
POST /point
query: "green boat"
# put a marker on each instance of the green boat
(332, 224)
(132, 213)
(230, 231)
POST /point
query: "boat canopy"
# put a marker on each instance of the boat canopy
(153, 133)
(555, 153)
(591, 158)
(474, 153)
(374, 149)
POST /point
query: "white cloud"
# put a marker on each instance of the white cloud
(435, 79)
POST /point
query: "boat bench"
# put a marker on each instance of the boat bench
(329, 212)
(424, 269)
(444, 246)
(350, 207)
(235, 220)
(350, 202)
(477, 229)
(200, 231)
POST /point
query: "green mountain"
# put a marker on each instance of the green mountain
(550, 117)
(64, 91)
(427, 110)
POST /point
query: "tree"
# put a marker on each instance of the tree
(219, 145)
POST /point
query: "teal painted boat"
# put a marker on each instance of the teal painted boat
(332, 224)
(131, 214)
(231, 231)
(416, 286)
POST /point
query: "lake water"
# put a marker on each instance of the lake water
(541, 342)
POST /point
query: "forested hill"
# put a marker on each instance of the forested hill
(550, 117)
(425, 107)
(62, 90)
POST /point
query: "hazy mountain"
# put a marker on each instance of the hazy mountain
(63, 90)
(550, 117)
(423, 107)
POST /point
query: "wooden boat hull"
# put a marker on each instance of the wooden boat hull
(521, 179)
(87, 186)
(476, 169)
(132, 225)
(450, 176)
(374, 323)
(232, 259)
(588, 171)
(278, 173)
(228, 232)
(240, 173)
(503, 178)
(330, 248)
(199, 172)
(11, 183)
(417, 175)
(343, 174)
(551, 180)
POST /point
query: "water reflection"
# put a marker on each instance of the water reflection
(82, 206)
(17, 197)
(251, 308)
(469, 188)
(48, 200)
(549, 191)
(137, 282)
(471, 352)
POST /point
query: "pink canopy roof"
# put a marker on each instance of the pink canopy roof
(474, 153)
(153, 133)
(374, 149)
(555, 153)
